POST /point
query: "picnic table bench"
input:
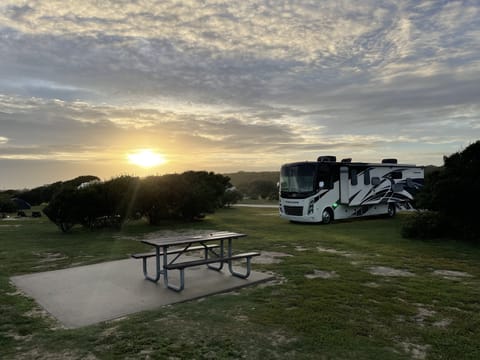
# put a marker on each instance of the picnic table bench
(217, 253)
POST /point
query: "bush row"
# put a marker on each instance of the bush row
(185, 196)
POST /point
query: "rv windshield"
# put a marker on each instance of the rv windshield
(298, 178)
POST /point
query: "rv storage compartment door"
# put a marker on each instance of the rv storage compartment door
(344, 185)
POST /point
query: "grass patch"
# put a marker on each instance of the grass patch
(357, 314)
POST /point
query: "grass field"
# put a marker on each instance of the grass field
(350, 290)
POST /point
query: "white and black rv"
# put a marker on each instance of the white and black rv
(325, 190)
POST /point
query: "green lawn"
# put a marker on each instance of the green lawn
(330, 300)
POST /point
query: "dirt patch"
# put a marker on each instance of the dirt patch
(15, 293)
(422, 315)
(44, 354)
(334, 251)
(18, 337)
(242, 318)
(277, 280)
(269, 257)
(372, 285)
(451, 274)
(388, 271)
(322, 274)
(301, 248)
(49, 257)
(279, 339)
(416, 351)
(443, 324)
(108, 332)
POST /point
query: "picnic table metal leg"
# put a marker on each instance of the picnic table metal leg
(158, 268)
(174, 287)
(230, 264)
(222, 253)
(165, 271)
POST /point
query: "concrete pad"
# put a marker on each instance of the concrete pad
(86, 295)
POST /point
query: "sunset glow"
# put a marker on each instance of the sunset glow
(146, 158)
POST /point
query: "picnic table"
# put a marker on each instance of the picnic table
(169, 254)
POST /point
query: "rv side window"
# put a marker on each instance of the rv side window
(353, 177)
(325, 175)
(396, 175)
(324, 181)
(366, 177)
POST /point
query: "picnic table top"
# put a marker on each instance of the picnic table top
(188, 239)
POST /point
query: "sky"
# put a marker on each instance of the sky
(230, 86)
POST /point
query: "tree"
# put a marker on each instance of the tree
(231, 196)
(205, 192)
(162, 197)
(96, 205)
(453, 193)
(43, 194)
(62, 210)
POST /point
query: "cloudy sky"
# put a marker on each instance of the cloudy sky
(232, 85)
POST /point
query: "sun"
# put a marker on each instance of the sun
(146, 158)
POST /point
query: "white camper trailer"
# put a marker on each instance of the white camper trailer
(325, 190)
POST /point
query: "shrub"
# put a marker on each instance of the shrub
(186, 196)
(424, 225)
(7, 206)
(94, 206)
(453, 192)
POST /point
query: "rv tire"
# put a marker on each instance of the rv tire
(391, 210)
(327, 216)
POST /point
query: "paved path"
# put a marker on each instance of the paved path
(257, 206)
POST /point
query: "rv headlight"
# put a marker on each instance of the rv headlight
(310, 207)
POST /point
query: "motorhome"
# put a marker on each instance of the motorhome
(325, 190)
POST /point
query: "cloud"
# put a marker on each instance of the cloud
(83, 127)
(258, 80)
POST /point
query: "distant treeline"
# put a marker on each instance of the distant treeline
(256, 185)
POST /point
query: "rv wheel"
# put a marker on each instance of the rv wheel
(391, 210)
(327, 216)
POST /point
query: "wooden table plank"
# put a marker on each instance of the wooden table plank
(181, 240)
